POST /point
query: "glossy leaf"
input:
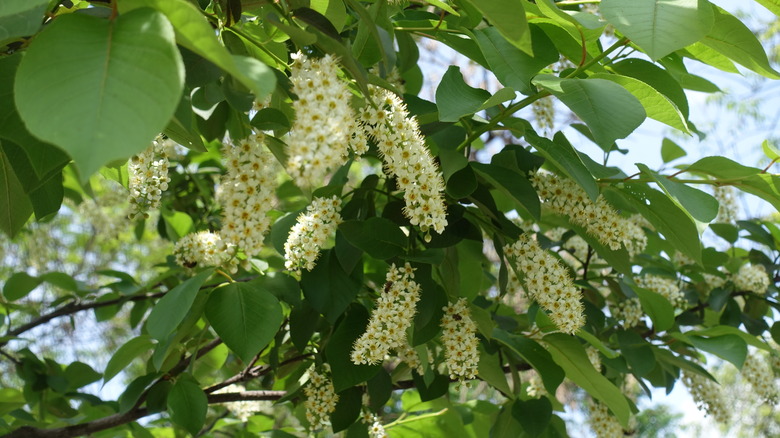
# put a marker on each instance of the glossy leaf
(658, 308)
(508, 17)
(671, 151)
(170, 311)
(659, 27)
(245, 316)
(121, 108)
(20, 18)
(609, 110)
(188, 405)
(702, 206)
(455, 98)
(379, 237)
(15, 206)
(126, 354)
(514, 185)
(570, 355)
(560, 152)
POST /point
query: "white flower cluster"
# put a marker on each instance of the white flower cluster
(321, 399)
(713, 281)
(326, 127)
(752, 278)
(548, 282)
(403, 148)
(409, 356)
(459, 336)
(535, 386)
(544, 114)
(666, 287)
(246, 193)
(599, 219)
(727, 208)
(603, 424)
(761, 377)
(594, 357)
(377, 430)
(148, 178)
(393, 314)
(311, 232)
(204, 249)
(242, 409)
(707, 395)
(629, 311)
(681, 259)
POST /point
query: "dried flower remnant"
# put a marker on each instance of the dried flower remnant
(246, 193)
(148, 178)
(311, 231)
(549, 283)
(406, 157)
(459, 336)
(393, 314)
(326, 127)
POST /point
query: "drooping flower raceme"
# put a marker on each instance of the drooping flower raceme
(242, 409)
(310, 232)
(403, 149)
(321, 399)
(598, 218)
(148, 178)
(326, 127)
(459, 336)
(707, 395)
(727, 204)
(246, 193)
(548, 282)
(393, 314)
(630, 311)
(752, 278)
(204, 249)
(603, 424)
(666, 287)
(756, 371)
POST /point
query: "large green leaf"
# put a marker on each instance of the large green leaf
(339, 349)
(329, 288)
(730, 37)
(20, 18)
(729, 347)
(111, 103)
(748, 179)
(379, 237)
(188, 405)
(659, 27)
(658, 308)
(245, 316)
(513, 67)
(508, 16)
(609, 110)
(657, 106)
(702, 206)
(514, 185)
(536, 356)
(170, 311)
(570, 355)
(455, 98)
(15, 206)
(669, 219)
(126, 354)
(772, 5)
(656, 77)
(194, 32)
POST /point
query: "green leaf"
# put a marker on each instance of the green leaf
(339, 348)
(675, 224)
(658, 308)
(659, 27)
(508, 16)
(188, 405)
(721, 330)
(80, 374)
(570, 355)
(489, 369)
(170, 311)
(656, 77)
(328, 288)
(537, 356)
(730, 37)
(513, 184)
(657, 106)
(772, 5)
(334, 10)
(748, 179)
(195, 33)
(126, 354)
(702, 206)
(11, 399)
(455, 98)
(178, 224)
(729, 347)
(19, 285)
(637, 352)
(671, 151)
(20, 18)
(245, 316)
(722, 168)
(379, 237)
(770, 150)
(513, 67)
(609, 110)
(347, 409)
(561, 153)
(534, 415)
(15, 206)
(124, 88)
